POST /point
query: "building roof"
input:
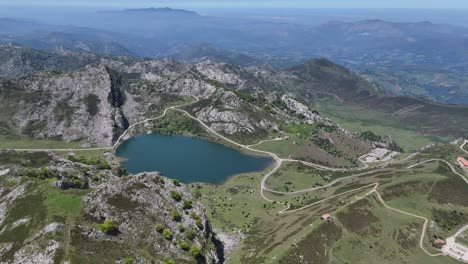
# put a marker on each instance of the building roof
(326, 216)
(463, 161)
(439, 241)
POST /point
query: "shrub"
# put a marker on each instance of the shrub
(176, 182)
(128, 260)
(168, 261)
(184, 245)
(197, 193)
(176, 196)
(92, 104)
(181, 228)
(190, 234)
(167, 234)
(175, 216)
(199, 224)
(195, 251)
(195, 216)
(108, 227)
(159, 228)
(100, 163)
(187, 205)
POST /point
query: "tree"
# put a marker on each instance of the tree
(195, 251)
(108, 227)
(167, 234)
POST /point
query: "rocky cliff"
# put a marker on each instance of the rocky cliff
(105, 216)
(88, 105)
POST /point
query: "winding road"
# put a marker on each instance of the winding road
(279, 161)
(463, 145)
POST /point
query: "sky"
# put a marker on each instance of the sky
(426, 4)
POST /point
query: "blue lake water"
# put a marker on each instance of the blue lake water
(187, 159)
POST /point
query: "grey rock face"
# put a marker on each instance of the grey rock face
(86, 105)
(140, 202)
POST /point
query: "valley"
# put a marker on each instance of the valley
(112, 158)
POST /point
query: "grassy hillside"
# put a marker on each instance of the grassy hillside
(357, 101)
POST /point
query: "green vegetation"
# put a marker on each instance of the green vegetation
(28, 143)
(184, 245)
(181, 228)
(199, 224)
(92, 104)
(168, 261)
(176, 216)
(195, 251)
(176, 182)
(108, 227)
(159, 228)
(177, 123)
(190, 234)
(358, 119)
(176, 196)
(99, 162)
(128, 260)
(370, 136)
(187, 205)
(42, 173)
(295, 176)
(167, 233)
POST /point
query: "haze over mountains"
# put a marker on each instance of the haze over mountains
(355, 121)
(418, 59)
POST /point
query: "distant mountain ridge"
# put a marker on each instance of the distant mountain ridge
(160, 10)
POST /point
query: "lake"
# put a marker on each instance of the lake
(187, 159)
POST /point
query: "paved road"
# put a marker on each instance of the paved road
(278, 164)
(463, 145)
(454, 249)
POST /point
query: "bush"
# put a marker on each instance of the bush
(190, 234)
(184, 245)
(128, 260)
(187, 205)
(42, 173)
(175, 216)
(176, 182)
(92, 104)
(197, 193)
(181, 228)
(167, 234)
(100, 163)
(159, 228)
(168, 261)
(195, 251)
(195, 216)
(176, 196)
(108, 227)
(199, 224)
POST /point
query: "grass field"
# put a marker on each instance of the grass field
(356, 119)
(378, 234)
(28, 143)
(294, 176)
